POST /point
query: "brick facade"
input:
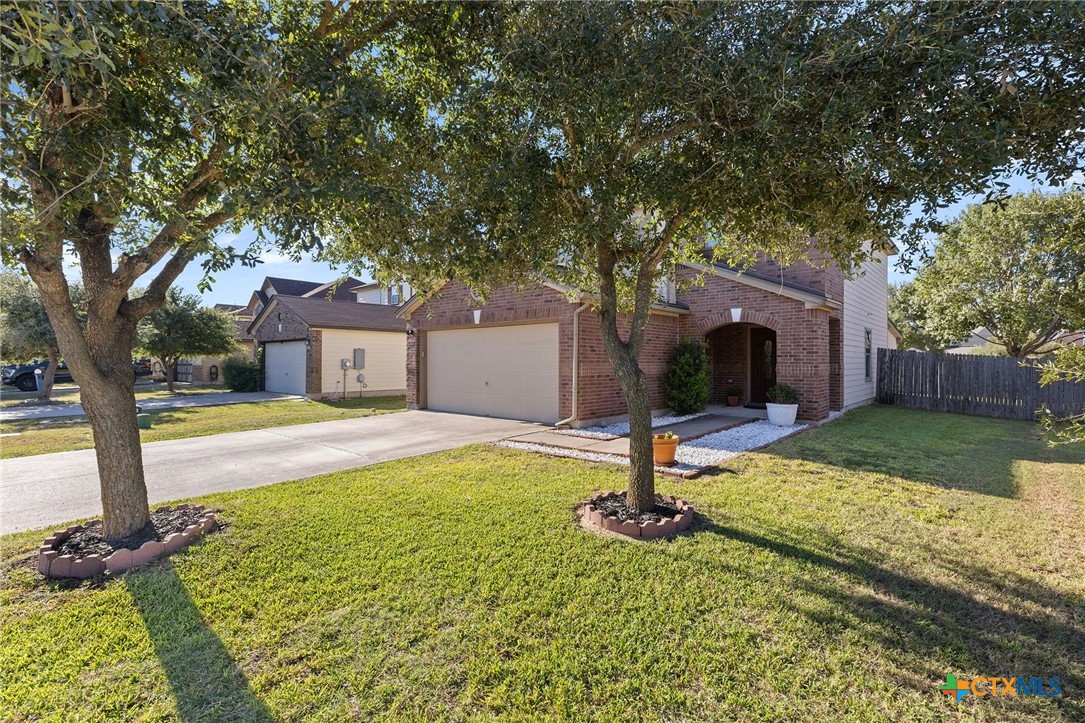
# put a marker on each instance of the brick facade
(721, 311)
(599, 393)
(281, 324)
(802, 336)
(313, 367)
(827, 278)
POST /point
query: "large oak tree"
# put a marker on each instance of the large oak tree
(133, 132)
(1015, 268)
(600, 143)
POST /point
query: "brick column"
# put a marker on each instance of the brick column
(836, 365)
(802, 360)
(313, 363)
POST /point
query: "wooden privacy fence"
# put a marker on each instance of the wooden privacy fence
(980, 385)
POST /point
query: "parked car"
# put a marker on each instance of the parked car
(22, 375)
(142, 367)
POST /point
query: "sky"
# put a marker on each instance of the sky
(235, 285)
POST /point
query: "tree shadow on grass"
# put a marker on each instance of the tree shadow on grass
(990, 624)
(206, 682)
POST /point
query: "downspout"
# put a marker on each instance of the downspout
(576, 356)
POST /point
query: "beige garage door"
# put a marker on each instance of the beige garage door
(496, 371)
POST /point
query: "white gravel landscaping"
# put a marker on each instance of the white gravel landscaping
(707, 451)
(715, 448)
(621, 429)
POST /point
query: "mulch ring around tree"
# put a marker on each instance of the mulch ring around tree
(609, 512)
(81, 551)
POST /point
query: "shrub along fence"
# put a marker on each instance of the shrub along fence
(983, 386)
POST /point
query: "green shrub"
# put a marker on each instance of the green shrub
(241, 375)
(782, 394)
(686, 383)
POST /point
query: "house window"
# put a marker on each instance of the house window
(394, 294)
(867, 350)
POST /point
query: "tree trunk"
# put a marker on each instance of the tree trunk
(111, 410)
(50, 374)
(640, 495)
(170, 365)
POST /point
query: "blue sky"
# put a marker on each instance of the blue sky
(235, 285)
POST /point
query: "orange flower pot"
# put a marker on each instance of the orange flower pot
(663, 449)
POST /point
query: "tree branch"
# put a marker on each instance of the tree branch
(155, 294)
(645, 277)
(642, 143)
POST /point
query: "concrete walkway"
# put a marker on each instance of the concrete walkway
(691, 429)
(54, 488)
(208, 399)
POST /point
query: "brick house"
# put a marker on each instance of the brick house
(537, 353)
(328, 339)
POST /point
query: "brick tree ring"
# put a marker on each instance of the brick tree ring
(52, 564)
(596, 517)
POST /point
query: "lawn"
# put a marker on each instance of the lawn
(61, 436)
(838, 575)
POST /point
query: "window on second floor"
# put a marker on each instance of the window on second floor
(395, 294)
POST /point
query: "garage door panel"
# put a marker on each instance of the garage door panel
(284, 367)
(504, 371)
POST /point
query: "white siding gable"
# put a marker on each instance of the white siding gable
(866, 307)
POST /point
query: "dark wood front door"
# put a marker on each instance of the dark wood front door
(762, 363)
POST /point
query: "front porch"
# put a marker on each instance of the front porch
(755, 354)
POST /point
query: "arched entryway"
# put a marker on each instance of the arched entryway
(743, 356)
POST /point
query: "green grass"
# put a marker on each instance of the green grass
(61, 436)
(838, 575)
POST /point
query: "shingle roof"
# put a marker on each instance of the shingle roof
(319, 312)
(291, 287)
(344, 290)
(242, 329)
(229, 308)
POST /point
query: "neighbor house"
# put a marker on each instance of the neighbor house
(322, 340)
(537, 353)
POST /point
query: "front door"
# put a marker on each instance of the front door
(762, 363)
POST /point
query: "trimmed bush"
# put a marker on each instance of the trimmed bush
(686, 383)
(783, 394)
(241, 375)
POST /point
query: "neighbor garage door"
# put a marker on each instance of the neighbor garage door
(497, 371)
(284, 367)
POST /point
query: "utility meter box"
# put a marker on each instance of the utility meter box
(346, 363)
(359, 358)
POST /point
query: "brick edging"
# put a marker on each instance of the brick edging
(667, 527)
(51, 564)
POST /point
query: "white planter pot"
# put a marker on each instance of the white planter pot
(782, 415)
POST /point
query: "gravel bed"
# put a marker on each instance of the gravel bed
(721, 446)
(621, 429)
(693, 455)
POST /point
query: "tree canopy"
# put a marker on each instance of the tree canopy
(597, 144)
(182, 328)
(1016, 268)
(909, 316)
(135, 131)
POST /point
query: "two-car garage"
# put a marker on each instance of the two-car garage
(497, 371)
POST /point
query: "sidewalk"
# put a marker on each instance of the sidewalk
(210, 399)
(686, 431)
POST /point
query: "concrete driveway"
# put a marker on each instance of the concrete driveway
(204, 399)
(54, 488)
